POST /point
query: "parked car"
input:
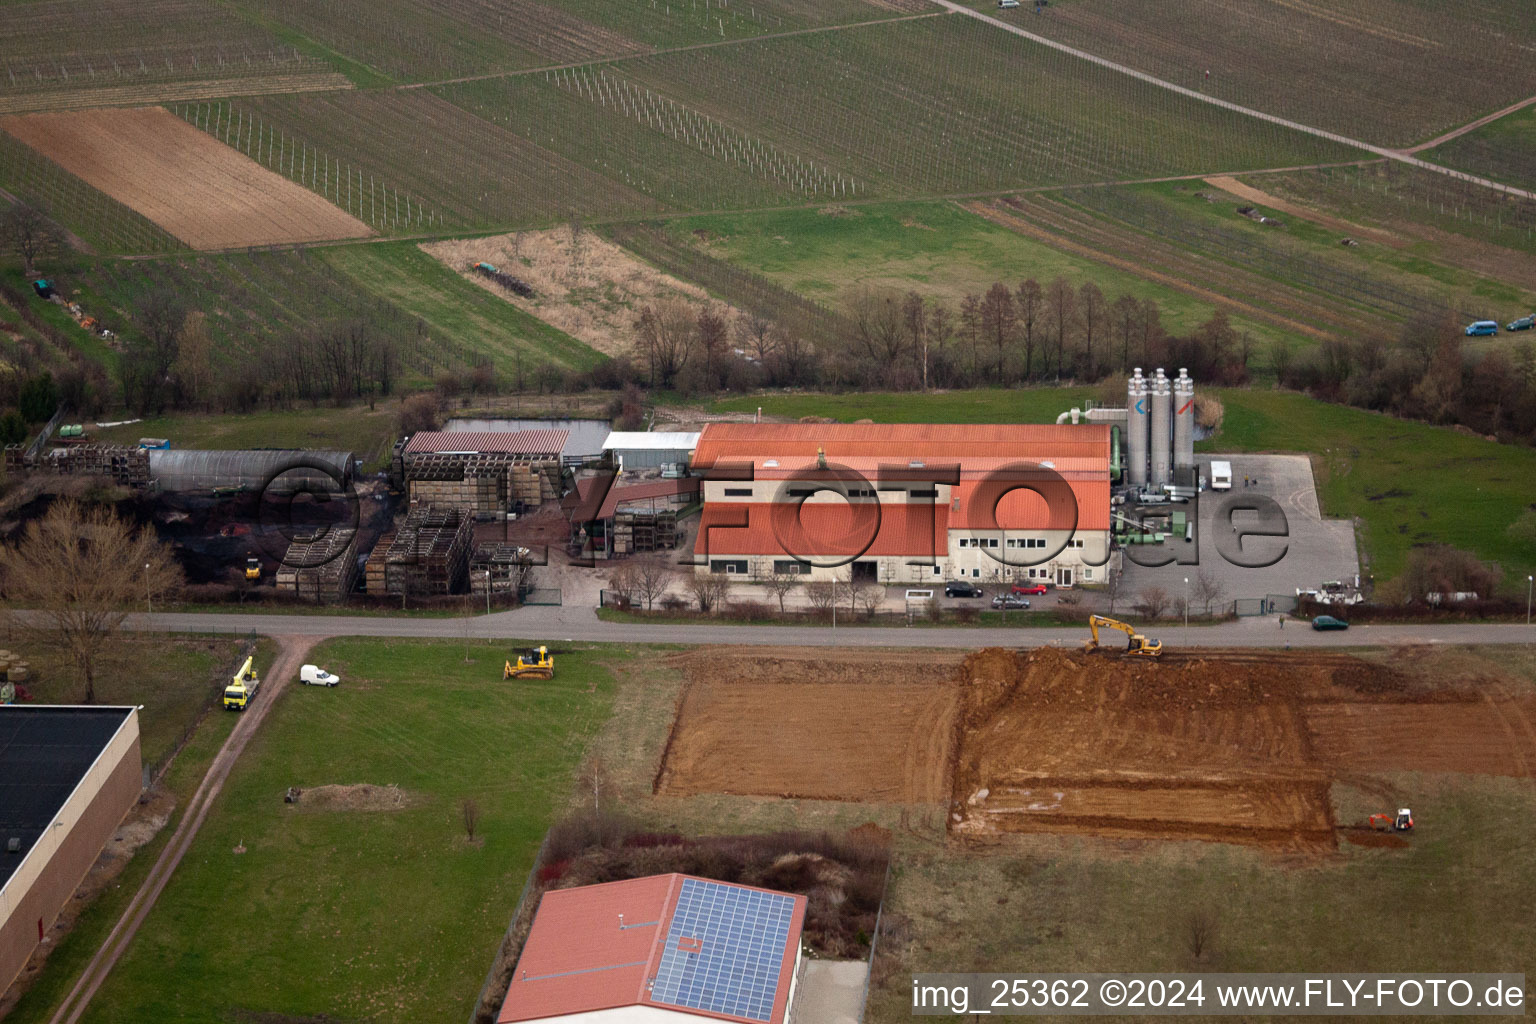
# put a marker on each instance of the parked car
(1482, 328)
(960, 588)
(1525, 323)
(314, 675)
(1009, 602)
(1007, 5)
(1029, 588)
(1326, 622)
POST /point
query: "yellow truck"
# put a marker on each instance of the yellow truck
(242, 688)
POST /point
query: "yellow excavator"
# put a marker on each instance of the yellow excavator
(536, 663)
(1138, 645)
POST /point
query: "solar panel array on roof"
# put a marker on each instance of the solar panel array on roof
(724, 952)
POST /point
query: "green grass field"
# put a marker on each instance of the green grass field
(1407, 483)
(382, 915)
(367, 433)
(475, 323)
(936, 248)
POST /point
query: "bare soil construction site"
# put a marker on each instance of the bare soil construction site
(205, 193)
(1224, 746)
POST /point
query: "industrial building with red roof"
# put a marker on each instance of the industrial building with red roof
(906, 503)
(662, 948)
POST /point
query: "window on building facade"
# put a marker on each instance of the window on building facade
(790, 567)
(738, 492)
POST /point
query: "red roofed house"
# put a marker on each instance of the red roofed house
(906, 503)
(667, 948)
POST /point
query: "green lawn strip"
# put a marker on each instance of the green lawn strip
(1408, 483)
(938, 249)
(382, 915)
(367, 433)
(983, 618)
(474, 319)
(1055, 903)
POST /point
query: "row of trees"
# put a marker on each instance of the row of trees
(907, 341)
(1424, 373)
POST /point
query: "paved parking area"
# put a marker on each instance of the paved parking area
(1313, 549)
(830, 992)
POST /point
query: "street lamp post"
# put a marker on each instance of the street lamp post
(149, 600)
(487, 591)
(1186, 611)
(1528, 581)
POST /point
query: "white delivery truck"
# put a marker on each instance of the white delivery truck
(1221, 476)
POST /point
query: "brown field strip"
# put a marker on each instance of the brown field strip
(172, 92)
(200, 190)
(1218, 746)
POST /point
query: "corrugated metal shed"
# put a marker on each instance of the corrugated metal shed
(278, 470)
(636, 449)
(516, 442)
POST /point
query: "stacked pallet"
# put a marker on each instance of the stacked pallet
(321, 565)
(637, 532)
(501, 568)
(533, 483)
(125, 464)
(481, 491)
(373, 569)
(429, 554)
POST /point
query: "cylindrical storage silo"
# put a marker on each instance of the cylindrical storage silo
(1161, 431)
(1136, 417)
(1183, 425)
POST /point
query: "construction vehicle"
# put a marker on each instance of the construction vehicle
(1401, 822)
(1136, 644)
(242, 688)
(536, 663)
(253, 568)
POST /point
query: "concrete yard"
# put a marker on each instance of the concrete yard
(1315, 549)
(830, 992)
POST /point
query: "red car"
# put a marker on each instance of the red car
(1029, 588)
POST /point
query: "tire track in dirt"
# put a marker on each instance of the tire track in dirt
(291, 653)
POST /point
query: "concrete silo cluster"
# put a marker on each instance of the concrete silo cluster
(1160, 430)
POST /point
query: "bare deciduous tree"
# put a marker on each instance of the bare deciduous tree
(78, 570)
(653, 577)
(1152, 602)
(595, 778)
(665, 334)
(469, 810)
(821, 594)
(1209, 590)
(26, 231)
(1201, 927)
(781, 584)
(623, 582)
(709, 589)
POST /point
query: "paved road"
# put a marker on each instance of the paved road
(1401, 156)
(286, 666)
(572, 624)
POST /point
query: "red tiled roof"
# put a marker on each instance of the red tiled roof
(818, 530)
(513, 442)
(597, 947)
(900, 442)
(586, 490)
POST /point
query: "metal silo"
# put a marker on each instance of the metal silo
(1183, 426)
(1162, 431)
(1136, 415)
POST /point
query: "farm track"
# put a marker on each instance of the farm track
(285, 667)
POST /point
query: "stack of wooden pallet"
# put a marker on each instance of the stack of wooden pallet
(429, 554)
(320, 565)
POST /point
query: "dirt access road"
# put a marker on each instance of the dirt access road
(291, 654)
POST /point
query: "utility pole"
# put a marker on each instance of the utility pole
(1186, 611)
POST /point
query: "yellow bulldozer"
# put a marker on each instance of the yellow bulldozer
(1137, 644)
(536, 663)
(253, 568)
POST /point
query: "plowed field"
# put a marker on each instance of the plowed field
(1228, 746)
(200, 190)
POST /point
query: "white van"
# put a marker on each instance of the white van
(1221, 476)
(1007, 5)
(314, 675)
